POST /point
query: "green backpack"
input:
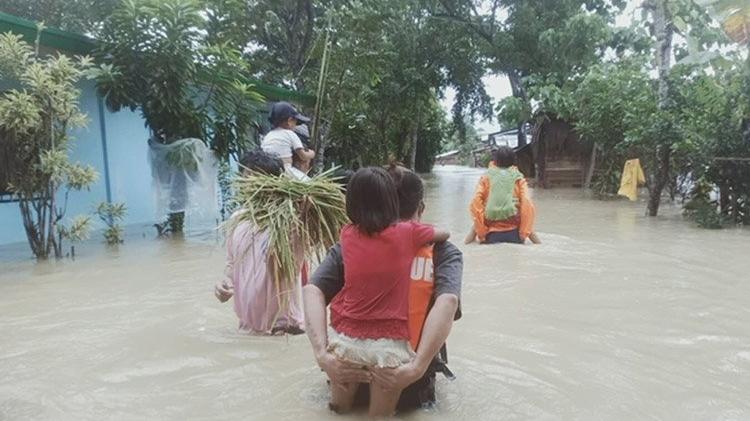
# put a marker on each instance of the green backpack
(501, 204)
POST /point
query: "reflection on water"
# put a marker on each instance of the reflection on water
(615, 316)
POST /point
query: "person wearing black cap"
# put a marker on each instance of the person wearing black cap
(282, 141)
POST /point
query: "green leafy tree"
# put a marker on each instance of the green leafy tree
(663, 131)
(606, 102)
(285, 35)
(734, 17)
(387, 62)
(713, 109)
(160, 58)
(522, 38)
(618, 106)
(464, 145)
(35, 120)
(80, 16)
(406, 58)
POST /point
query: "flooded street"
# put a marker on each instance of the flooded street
(614, 316)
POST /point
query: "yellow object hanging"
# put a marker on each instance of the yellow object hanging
(632, 177)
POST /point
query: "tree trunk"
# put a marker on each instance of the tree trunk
(52, 242)
(664, 32)
(413, 148)
(516, 86)
(541, 157)
(225, 188)
(592, 167)
(179, 199)
(724, 197)
(414, 140)
(32, 231)
(40, 219)
(320, 151)
(660, 180)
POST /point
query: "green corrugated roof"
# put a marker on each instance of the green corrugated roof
(50, 37)
(80, 44)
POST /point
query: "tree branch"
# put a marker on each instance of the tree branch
(305, 44)
(471, 25)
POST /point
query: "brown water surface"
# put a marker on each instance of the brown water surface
(615, 316)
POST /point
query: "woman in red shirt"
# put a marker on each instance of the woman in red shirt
(369, 316)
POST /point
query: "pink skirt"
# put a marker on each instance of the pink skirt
(259, 304)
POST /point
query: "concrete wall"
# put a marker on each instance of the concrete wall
(130, 173)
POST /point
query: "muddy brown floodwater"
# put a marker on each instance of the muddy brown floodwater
(615, 316)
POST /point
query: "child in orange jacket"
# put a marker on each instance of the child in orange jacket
(495, 221)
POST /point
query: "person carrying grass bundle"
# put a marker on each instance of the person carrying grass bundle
(369, 316)
(502, 210)
(250, 270)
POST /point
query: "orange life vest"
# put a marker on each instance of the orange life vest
(420, 292)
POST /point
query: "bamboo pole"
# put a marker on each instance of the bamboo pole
(321, 87)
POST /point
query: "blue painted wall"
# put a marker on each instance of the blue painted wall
(130, 174)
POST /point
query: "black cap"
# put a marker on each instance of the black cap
(282, 111)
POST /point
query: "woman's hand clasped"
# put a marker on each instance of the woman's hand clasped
(341, 371)
(223, 291)
(395, 378)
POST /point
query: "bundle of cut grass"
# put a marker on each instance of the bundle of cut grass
(307, 214)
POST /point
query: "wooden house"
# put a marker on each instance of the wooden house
(555, 157)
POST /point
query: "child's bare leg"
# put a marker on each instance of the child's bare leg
(342, 397)
(471, 236)
(534, 238)
(383, 401)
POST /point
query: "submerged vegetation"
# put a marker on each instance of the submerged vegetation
(112, 214)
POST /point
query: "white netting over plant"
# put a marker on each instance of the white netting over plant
(184, 176)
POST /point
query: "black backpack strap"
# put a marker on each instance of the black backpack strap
(440, 363)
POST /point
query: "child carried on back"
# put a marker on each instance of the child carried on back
(369, 317)
(502, 210)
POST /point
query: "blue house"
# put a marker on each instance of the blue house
(113, 143)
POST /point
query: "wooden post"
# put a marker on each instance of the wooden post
(592, 166)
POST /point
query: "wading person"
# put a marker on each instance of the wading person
(502, 210)
(249, 272)
(433, 297)
(369, 316)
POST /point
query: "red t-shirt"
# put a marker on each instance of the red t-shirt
(374, 302)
